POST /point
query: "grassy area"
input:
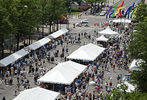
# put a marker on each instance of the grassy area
(75, 13)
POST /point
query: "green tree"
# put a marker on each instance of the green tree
(141, 12)
(52, 11)
(5, 24)
(120, 93)
(24, 19)
(138, 49)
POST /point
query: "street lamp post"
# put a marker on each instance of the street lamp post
(18, 34)
(69, 11)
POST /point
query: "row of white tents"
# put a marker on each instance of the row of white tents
(66, 72)
(23, 52)
(108, 31)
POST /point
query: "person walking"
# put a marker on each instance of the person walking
(4, 98)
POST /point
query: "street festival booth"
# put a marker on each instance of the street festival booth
(13, 58)
(37, 93)
(63, 74)
(108, 31)
(58, 33)
(122, 21)
(39, 43)
(102, 40)
(87, 52)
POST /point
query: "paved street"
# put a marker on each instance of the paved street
(8, 91)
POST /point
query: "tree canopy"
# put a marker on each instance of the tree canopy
(19, 18)
(138, 48)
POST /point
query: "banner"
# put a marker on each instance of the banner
(115, 9)
(108, 11)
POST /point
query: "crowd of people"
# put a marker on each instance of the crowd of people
(115, 56)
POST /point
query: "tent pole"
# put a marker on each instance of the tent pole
(53, 87)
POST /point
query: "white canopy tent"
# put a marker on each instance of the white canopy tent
(37, 94)
(130, 86)
(63, 73)
(122, 21)
(108, 31)
(59, 33)
(13, 57)
(102, 38)
(135, 65)
(39, 43)
(87, 52)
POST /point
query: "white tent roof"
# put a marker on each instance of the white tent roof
(87, 52)
(135, 65)
(130, 86)
(13, 57)
(102, 38)
(63, 73)
(37, 94)
(39, 43)
(59, 33)
(122, 21)
(108, 31)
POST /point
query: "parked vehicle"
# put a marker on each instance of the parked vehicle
(103, 13)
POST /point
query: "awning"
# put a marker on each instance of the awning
(59, 33)
(37, 94)
(102, 38)
(39, 43)
(122, 21)
(108, 31)
(63, 73)
(87, 52)
(13, 57)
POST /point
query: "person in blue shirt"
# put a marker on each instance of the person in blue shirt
(66, 50)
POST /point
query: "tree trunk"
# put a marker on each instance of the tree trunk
(57, 26)
(2, 44)
(50, 28)
(42, 31)
(30, 37)
(60, 25)
(53, 27)
(24, 42)
(17, 41)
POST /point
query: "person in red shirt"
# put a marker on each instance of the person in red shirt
(110, 83)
